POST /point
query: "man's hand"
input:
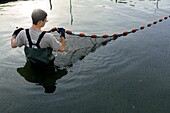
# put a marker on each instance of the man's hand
(16, 32)
(61, 31)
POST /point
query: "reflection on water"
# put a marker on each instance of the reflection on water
(71, 13)
(50, 5)
(45, 76)
(133, 2)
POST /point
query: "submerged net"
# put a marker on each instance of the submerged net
(77, 48)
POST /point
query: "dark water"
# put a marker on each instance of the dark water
(128, 75)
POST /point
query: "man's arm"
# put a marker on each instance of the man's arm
(12, 42)
(15, 33)
(62, 48)
(61, 31)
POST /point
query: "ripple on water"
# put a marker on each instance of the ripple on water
(118, 77)
(11, 57)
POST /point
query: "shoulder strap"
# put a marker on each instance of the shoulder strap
(29, 38)
(39, 39)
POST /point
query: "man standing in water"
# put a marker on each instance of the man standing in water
(38, 44)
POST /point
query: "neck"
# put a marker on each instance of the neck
(36, 27)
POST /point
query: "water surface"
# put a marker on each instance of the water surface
(128, 75)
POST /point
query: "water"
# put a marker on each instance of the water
(128, 75)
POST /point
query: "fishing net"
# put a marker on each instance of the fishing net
(78, 45)
(77, 48)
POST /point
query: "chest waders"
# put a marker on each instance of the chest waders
(38, 56)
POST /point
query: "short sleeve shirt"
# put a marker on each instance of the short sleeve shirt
(48, 39)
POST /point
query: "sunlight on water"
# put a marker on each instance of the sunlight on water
(27, 7)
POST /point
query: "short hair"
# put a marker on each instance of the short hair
(38, 15)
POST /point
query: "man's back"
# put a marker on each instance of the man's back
(48, 40)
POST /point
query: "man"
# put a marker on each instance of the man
(38, 44)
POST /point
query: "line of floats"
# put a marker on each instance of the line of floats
(116, 35)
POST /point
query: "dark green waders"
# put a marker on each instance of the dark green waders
(40, 58)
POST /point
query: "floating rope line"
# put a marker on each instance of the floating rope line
(114, 36)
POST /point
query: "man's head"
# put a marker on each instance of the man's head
(38, 15)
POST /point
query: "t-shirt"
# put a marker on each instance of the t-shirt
(48, 39)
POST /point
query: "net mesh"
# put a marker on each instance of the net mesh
(77, 48)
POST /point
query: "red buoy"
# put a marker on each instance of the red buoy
(53, 29)
(125, 33)
(82, 34)
(149, 25)
(165, 17)
(69, 32)
(142, 27)
(160, 20)
(134, 30)
(105, 35)
(94, 36)
(115, 35)
(154, 22)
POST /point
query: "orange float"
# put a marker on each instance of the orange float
(105, 35)
(94, 36)
(160, 20)
(69, 32)
(53, 29)
(115, 35)
(155, 22)
(149, 25)
(142, 27)
(134, 30)
(125, 33)
(165, 17)
(82, 34)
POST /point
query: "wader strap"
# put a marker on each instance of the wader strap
(38, 41)
(29, 38)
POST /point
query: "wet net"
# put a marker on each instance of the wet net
(77, 48)
(79, 45)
